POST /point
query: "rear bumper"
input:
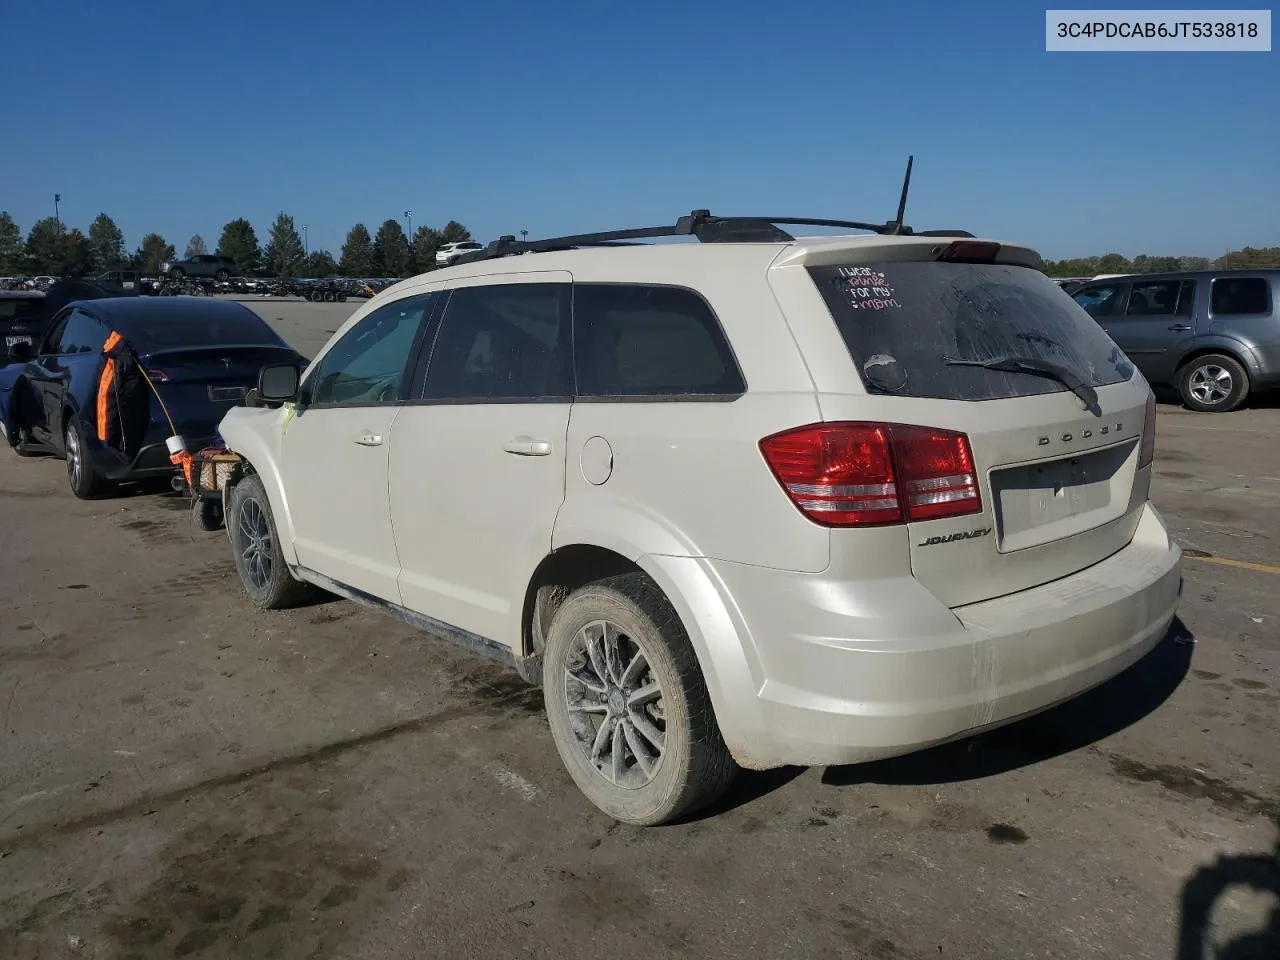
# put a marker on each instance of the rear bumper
(846, 678)
(151, 461)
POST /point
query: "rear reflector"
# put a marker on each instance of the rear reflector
(866, 474)
(970, 251)
(1147, 452)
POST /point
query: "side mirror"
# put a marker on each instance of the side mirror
(278, 382)
(20, 352)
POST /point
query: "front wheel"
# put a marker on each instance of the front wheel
(82, 477)
(1214, 383)
(259, 560)
(628, 706)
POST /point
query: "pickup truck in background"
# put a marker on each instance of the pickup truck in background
(204, 265)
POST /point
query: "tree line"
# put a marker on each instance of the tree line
(1244, 259)
(50, 248)
(53, 249)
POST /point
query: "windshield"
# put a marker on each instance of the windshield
(905, 324)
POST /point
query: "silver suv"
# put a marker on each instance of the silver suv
(1215, 335)
(743, 503)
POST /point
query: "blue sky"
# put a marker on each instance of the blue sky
(569, 116)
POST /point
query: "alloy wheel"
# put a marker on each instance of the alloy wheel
(615, 705)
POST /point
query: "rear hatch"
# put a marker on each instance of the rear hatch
(21, 316)
(200, 384)
(1014, 437)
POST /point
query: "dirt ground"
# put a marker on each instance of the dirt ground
(182, 775)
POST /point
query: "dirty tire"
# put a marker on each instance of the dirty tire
(694, 767)
(207, 514)
(83, 479)
(256, 546)
(1215, 383)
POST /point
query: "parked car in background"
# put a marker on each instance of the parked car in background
(204, 265)
(21, 316)
(1214, 335)
(119, 283)
(452, 251)
(100, 387)
(730, 503)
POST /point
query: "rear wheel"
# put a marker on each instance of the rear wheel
(259, 561)
(82, 477)
(628, 706)
(1214, 383)
(207, 514)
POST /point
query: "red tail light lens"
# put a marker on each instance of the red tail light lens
(1147, 453)
(865, 474)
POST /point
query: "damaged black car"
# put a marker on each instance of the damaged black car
(111, 381)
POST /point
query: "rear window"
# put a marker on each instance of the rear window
(225, 330)
(903, 322)
(21, 309)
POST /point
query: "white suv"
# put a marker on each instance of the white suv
(747, 503)
(452, 251)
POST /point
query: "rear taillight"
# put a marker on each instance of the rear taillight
(863, 474)
(1147, 453)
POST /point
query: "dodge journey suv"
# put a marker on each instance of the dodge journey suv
(747, 502)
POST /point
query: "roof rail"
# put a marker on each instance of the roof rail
(708, 229)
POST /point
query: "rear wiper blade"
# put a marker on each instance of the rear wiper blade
(1038, 368)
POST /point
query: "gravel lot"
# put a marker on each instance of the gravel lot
(182, 775)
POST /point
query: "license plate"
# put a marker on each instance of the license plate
(228, 393)
(11, 341)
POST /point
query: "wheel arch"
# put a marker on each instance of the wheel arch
(258, 461)
(1235, 349)
(724, 649)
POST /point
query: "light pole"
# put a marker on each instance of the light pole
(524, 235)
(306, 242)
(408, 215)
(57, 199)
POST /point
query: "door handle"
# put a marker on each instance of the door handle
(369, 439)
(525, 447)
(1179, 327)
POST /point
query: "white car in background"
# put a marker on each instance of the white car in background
(747, 503)
(451, 251)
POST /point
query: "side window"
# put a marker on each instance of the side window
(503, 342)
(1240, 296)
(369, 363)
(1156, 298)
(1098, 301)
(82, 334)
(53, 339)
(632, 340)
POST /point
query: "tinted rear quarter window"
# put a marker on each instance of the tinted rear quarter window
(633, 340)
(1241, 296)
(903, 321)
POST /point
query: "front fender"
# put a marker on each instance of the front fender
(255, 433)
